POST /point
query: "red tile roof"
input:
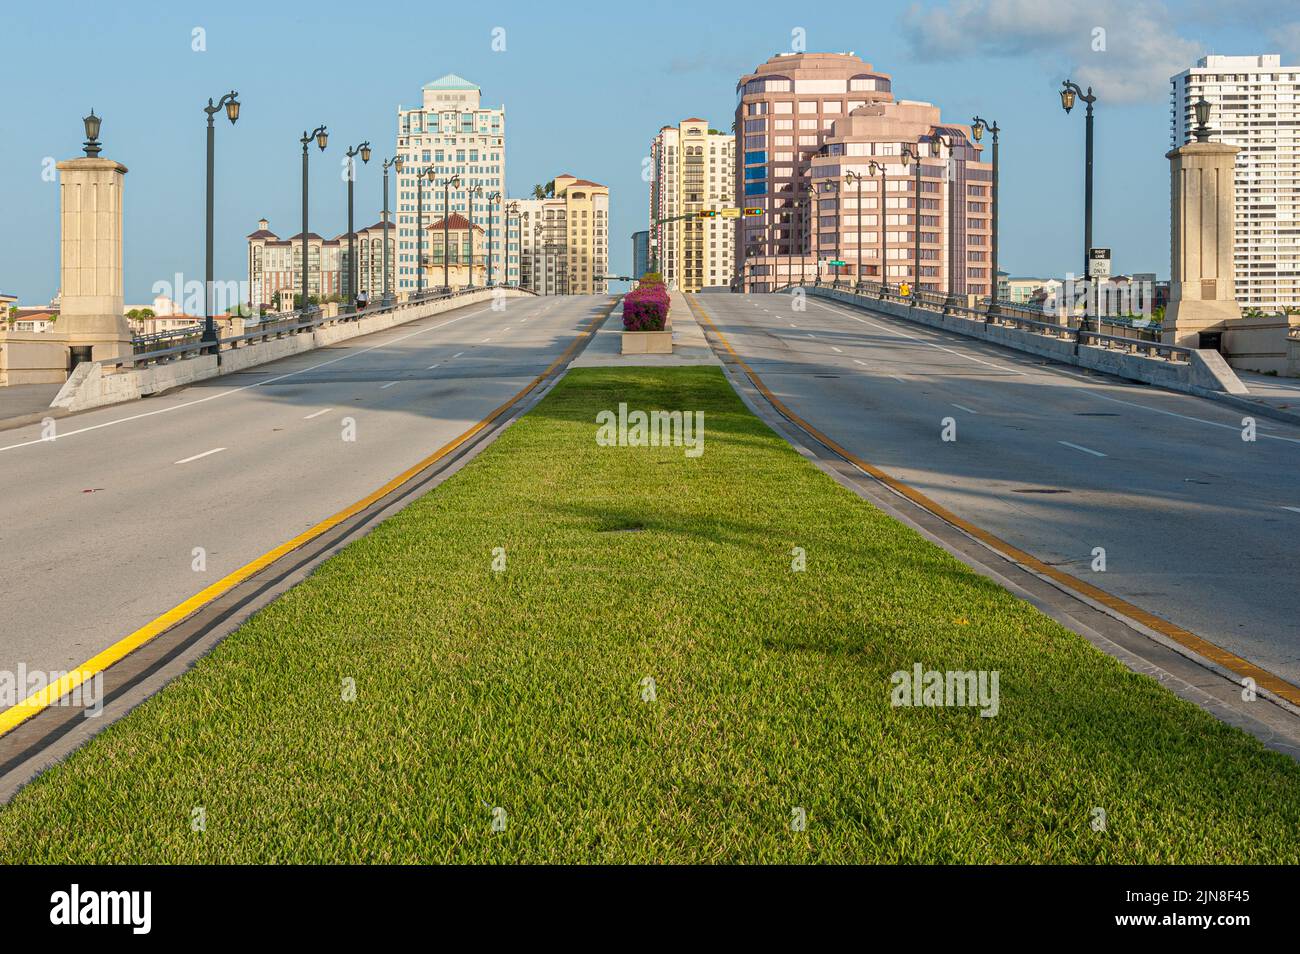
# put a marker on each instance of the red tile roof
(454, 221)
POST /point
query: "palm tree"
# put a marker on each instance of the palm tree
(539, 192)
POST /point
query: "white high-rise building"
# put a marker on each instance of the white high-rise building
(452, 132)
(1255, 104)
(694, 170)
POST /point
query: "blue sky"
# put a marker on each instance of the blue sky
(634, 67)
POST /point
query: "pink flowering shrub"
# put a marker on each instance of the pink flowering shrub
(645, 308)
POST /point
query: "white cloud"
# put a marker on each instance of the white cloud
(1125, 50)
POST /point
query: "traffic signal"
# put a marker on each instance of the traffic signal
(708, 214)
(753, 211)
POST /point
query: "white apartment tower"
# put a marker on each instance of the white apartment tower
(694, 169)
(1255, 104)
(452, 132)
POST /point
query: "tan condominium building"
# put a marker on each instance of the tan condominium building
(564, 239)
(693, 168)
(275, 264)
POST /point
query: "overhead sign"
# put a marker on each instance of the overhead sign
(1099, 263)
(731, 213)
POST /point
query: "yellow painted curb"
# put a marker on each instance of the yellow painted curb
(1230, 661)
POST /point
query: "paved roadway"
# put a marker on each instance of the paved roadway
(97, 528)
(1199, 526)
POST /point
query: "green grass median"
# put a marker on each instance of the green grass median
(506, 715)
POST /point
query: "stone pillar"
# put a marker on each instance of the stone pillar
(90, 202)
(1202, 288)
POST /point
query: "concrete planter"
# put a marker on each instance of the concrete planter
(648, 342)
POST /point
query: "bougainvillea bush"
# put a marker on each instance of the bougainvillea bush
(645, 308)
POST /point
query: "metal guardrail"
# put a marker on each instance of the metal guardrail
(1015, 317)
(286, 323)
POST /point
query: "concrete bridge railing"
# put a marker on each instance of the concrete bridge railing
(1181, 369)
(152, 370)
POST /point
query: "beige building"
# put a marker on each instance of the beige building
(694, 170)
(467, 263)
(564, 241)
(275, 264)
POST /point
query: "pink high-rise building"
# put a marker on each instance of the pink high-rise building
(808, 120)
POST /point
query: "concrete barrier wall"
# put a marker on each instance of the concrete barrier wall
(91, 386)
(1206, 370)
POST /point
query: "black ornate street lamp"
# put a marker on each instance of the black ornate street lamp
(446, 230)
(978, 126)
(493, 199)
(230, 103)
(1202, 130)
(322, 137)
(91, 122)
(912, 154)
(396, 163)
(1069, 92)
(476, 190)
(363, 150)
(425, 173)
(513, 209)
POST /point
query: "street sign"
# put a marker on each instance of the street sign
(731, 213)
(835, 263)
(1099, 263)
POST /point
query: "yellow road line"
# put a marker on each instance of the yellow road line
(1230, 661)
(42, 699)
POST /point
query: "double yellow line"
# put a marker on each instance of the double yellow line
(42, 699)
(1229, 661)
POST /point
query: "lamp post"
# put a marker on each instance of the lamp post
(230, 103)
(936, 142)
(427, 172)
(856, 177)
(1069, 92)
(92, 123)
(494, 198)
(978, 126)
(537, 246)
(363, 151)
(321, 137)
(872, 167)
(513, 207)
(396, 163)
(476, 190)
(912, 154)
(446, 229)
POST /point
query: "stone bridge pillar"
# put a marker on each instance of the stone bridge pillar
(90, 251)
(1202, 287)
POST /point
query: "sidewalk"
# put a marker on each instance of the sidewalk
(689, 344)
(27, 403)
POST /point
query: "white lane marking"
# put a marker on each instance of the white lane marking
(793, 325)
(458, 354)
(505, 329)
(929, 344)
(969, 411)
(1292, 509)
(388, 385)
(859, 361)
(432, 366)
(246, 387)
(324, 410)
(1186, 417)
(215, 450)
(810, 334)
(486, 340)
(1086, 450)
(833, 348)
